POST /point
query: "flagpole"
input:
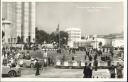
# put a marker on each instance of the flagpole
(59, 35)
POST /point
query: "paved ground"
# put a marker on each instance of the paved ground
(52, 72)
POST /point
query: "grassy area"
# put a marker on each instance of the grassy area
(79, 55)
(39, 54)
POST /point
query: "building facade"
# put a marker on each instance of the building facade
(97, 41)
(74, 34)
(118, 41)
(22, 18)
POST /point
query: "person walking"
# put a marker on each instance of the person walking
(85, 72)
(119, 69)
(37, 68)
(112, 71)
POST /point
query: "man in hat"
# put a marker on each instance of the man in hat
(89, 71)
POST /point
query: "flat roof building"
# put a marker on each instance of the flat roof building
(74, 34)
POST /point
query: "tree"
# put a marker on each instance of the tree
(61, 36)
(53, 37)
(41, 36)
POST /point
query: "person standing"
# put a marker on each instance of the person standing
(73, 58)
(69, 51)
(109, 62)
(95, 64)
(49, 60)
(5, 61)
(45, 58)
(52, 60)
(90, 58)
(95, 56)
(45, 54)
(85, 57)
(45, 62)
(119, 69)
(112, 71)
(90, 71)
(111, 52)
(28, 57)
(37, 68)
(87, 53)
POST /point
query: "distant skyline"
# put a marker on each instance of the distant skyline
(91, 18)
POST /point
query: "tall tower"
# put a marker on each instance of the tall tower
(22, 18)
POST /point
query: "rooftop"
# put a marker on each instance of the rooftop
(73, 29)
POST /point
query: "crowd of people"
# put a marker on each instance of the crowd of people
(11, 56)
(115, 71)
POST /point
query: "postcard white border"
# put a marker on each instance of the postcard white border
(77, 79)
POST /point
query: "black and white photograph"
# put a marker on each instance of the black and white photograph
(63, 40)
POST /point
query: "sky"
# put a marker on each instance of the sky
(92, 18)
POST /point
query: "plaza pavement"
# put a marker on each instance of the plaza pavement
(52, 72)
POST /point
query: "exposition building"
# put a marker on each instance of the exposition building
(110, 40)
(18, 22)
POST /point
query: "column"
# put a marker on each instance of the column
(18, 18)
(32, 14)
(26, 21)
